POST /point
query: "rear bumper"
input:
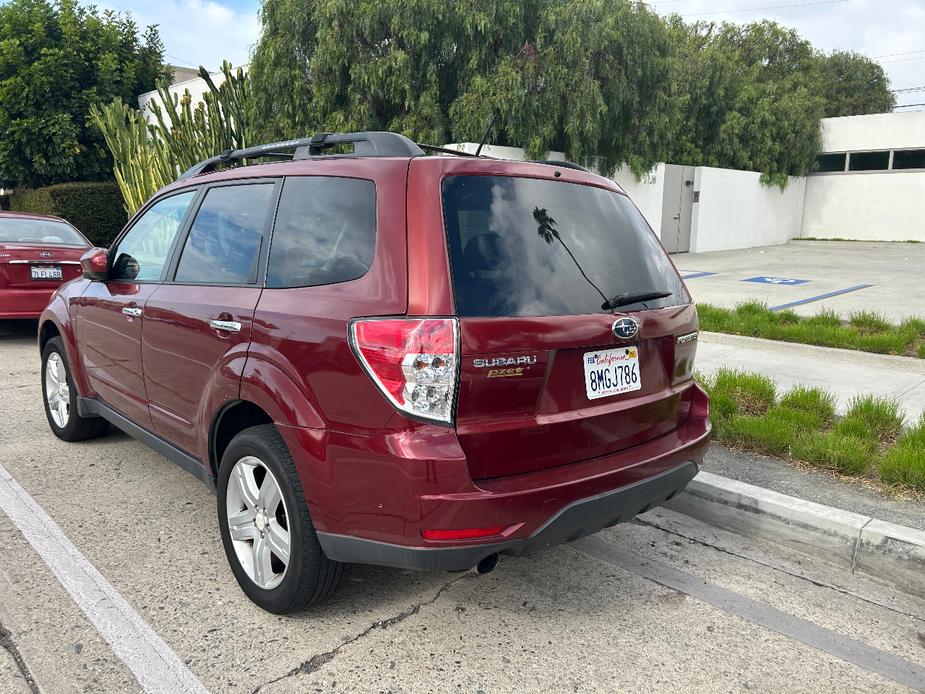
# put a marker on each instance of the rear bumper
(577, 519)
(24, 303)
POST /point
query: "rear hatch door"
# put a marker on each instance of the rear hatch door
(38, 252)
(575, 328)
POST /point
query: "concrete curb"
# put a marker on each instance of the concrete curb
(889, 361)
(886, 551)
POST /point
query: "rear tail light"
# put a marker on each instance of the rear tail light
(413, 361)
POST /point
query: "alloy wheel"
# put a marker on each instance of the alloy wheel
(57, 392)
(258, 522)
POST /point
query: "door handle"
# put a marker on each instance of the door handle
(226, 326)
(132, 311)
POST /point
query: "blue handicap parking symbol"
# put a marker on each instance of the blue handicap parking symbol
(775, 280)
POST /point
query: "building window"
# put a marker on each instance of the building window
(869, 161)
(827, 163)
(909, 159)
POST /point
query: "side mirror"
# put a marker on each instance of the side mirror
(95, 264)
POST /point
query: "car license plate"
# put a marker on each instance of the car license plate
(46, 272)
(611, 372)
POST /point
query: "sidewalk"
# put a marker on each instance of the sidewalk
(844, 373)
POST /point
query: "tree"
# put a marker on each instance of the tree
(747, 97)
(56, 60)
(853, 85)
(437, 70)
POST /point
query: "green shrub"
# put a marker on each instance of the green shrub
(846, 454)
(816, 401)
(904, 463)
(864, 330)
(759, 434)
(858, 428)
(722, 407)
(753, 393)
(880, 414)
(868, 321)
(96, 209)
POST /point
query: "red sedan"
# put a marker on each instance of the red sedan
(37, 254)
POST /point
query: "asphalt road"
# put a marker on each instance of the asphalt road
(663, 604)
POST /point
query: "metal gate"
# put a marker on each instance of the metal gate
(677, 206)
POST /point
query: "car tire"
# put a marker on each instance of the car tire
(60, 397)
(269, 522)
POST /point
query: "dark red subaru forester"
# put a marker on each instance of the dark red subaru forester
(391, 356)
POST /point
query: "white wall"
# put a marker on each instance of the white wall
(736, 211)
(870, 206)
(196, 86)
(877, 131)
(647, 192)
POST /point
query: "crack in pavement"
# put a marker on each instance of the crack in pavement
(316, 662)
(8, 645)
(815, 582)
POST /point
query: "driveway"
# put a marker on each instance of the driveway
(810, 276)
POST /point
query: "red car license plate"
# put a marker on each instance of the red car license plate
(46, 272)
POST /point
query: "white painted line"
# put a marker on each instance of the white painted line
(156, 667)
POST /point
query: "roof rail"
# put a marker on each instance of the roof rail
(366, 144)
(562, 164)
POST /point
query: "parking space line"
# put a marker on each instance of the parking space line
(820, 297)
(696, 275)
(156, 667)
(881, 662)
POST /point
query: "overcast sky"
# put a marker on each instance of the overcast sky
(890, 31)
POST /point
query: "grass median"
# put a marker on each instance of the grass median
(801, 425)
(864, 331)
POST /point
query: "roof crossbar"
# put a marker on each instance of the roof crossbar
(365, 144)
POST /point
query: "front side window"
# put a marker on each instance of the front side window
(223, 246)
(325, 232)
(44, 231)
(531, 247)
(142, 253)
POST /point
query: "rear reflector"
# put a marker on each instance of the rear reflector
(463, 534)
(413, 361)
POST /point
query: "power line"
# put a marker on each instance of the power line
(906, 90)
(901, 60)
(767, 7)
(893, 55)
(180, 60)
(908, 106)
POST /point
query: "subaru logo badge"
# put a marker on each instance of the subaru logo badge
(45, 254)
(625, 328)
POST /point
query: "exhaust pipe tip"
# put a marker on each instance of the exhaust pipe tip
(488, 564)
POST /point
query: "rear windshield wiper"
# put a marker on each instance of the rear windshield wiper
(633, 298)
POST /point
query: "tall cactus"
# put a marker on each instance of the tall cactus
(148, 156)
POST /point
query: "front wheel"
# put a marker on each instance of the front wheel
(60, 397)
(266, 529)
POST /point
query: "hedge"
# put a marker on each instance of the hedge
(97, 209)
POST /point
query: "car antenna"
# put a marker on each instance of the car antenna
(491, 124)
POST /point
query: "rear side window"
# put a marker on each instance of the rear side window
(223, 245)
(325, 231)
(530, 247)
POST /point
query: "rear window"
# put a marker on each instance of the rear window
(530, 247)
(44, 231)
